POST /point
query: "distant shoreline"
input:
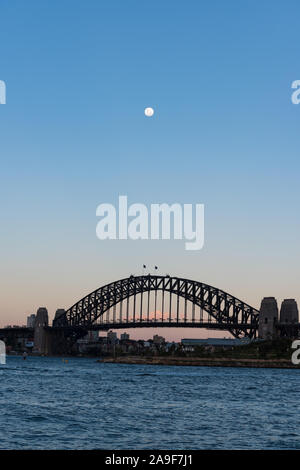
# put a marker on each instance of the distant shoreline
(182, 361)
(202, 362)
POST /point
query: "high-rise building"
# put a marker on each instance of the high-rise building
(31, 321)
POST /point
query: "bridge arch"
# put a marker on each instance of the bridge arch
(228, 312)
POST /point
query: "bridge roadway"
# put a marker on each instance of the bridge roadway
(29, 332)
(151, 324)
(114, 326)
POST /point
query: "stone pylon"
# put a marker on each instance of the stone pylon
(60, 317)
(41, 321)
(268, 317)
(289, 311)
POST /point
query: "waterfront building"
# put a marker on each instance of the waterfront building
(212, 343)
(124, 336)
(158, 339)
(112, 337)
(92, 335)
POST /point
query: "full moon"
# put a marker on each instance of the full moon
(149, 112)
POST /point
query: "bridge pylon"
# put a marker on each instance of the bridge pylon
(268, 318)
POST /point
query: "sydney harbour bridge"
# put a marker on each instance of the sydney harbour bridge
(153, 301)
(160, 301)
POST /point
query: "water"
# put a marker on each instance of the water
(48, 404)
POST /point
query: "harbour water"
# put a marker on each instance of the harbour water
(48, 403)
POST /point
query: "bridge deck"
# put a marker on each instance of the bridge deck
(165, 324)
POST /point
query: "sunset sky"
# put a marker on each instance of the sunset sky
(73, 134)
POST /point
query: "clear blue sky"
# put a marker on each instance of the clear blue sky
(73, 134)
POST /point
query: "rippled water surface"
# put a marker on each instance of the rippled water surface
(82, 404)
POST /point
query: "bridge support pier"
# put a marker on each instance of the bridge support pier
(48, 341)
(51, 341)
